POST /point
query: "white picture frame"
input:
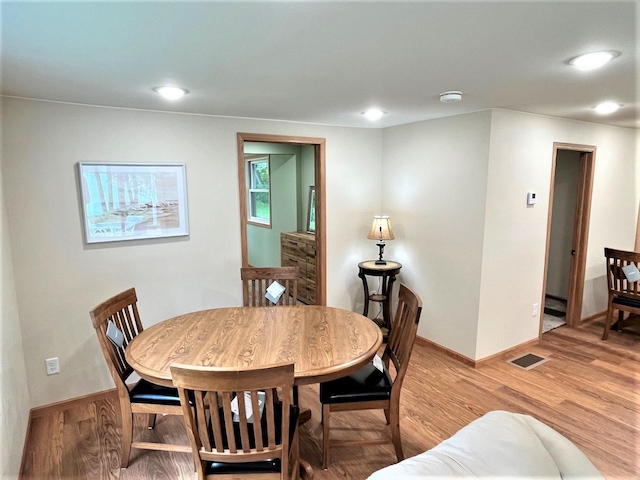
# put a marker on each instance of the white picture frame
(311, 210)
(132, 201)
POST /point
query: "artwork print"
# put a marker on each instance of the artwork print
(127, 201)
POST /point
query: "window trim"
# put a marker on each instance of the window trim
(250, 160)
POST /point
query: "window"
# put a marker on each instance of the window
(258, 188)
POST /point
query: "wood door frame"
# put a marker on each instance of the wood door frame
(580, 230)
(637, 245)
(319, 145)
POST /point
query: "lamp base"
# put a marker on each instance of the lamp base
(380, 261)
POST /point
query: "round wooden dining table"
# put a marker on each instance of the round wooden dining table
(323, 342)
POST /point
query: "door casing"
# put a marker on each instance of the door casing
(319, 145)
(580, 230)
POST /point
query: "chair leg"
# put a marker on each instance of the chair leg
(395, 431)
(607, 323)
(127, 435)
(325, 435)
(620, 322)
(294, 457)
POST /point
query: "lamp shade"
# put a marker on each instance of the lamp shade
(381, 228)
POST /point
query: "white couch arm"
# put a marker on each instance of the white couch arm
(499, 444)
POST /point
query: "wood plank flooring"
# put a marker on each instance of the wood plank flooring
(588, 391)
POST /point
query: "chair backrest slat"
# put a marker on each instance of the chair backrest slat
(256, 280)
(218, 441)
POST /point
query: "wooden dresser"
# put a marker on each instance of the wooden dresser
(298, 249)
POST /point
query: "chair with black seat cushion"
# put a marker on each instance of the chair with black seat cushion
(624, 294)
(144, 397)
(256, 280)
(225, 434)
(369, 388)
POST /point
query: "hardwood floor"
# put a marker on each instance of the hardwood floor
(588, 391)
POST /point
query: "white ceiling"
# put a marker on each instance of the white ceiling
(325, 62)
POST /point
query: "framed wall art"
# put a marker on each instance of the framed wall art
(311, 211)
(133, 201)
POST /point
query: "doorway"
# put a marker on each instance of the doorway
(289, 203)
(567, 233)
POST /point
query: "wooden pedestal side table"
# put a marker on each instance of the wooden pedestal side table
(388, 273)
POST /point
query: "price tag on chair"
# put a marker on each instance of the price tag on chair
(274, 292)
(377, 362)
(248, 408)
(631, 272)
(115, 335)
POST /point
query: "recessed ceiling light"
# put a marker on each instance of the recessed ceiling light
(591, 61)
(171, 93)
(607, 107)
(373, 114)
(451, 96)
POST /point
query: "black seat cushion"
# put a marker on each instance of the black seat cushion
(266, 466)
(367, 384)
(147, 392)
(627, 302)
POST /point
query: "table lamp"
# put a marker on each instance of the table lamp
(381, 231)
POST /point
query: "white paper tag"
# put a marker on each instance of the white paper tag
(631, 272)
(248, 408)
(274, 292)
(114, 334)
(377, 362)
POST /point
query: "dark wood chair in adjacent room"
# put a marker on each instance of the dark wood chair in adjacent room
(227, 437)
(624, 295)
(256, 280)
(369, 388)
(144, 397)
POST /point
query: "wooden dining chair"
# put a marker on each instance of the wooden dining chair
(624, 295)
(369, 388)
(256, 280)
(144, 397)
(234, 440)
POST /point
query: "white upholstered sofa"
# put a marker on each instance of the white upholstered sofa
(498, 445)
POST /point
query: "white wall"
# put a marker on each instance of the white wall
(14, 392)
(456, 191)
(59, 279)
(434, 188)
(353, 197)
(515, 236)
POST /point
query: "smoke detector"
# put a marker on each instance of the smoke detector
(451, 96)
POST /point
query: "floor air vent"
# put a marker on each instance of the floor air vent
(528, 361)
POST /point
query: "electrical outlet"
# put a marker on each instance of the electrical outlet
(536, 310)
(53, 365)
